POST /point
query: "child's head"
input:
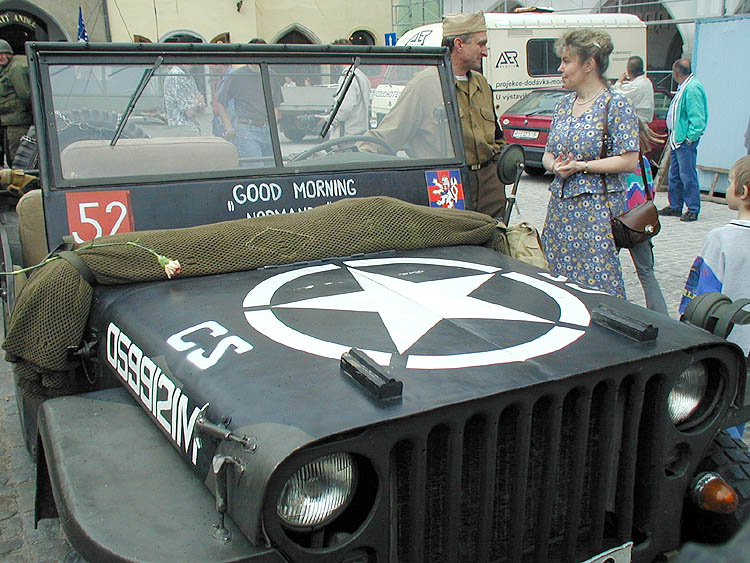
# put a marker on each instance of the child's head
(738, 194)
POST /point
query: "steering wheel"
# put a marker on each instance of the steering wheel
(341, 140)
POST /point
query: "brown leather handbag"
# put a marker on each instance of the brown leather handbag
(636, 225)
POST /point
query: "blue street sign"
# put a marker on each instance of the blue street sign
(390, 39)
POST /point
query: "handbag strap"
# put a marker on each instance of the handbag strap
(603, 153)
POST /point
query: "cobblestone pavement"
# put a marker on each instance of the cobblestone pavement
(19, 540)
(674, 248)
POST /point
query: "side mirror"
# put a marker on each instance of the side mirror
(509, 169)
(508, 164)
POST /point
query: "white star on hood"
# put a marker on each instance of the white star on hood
(410, 309)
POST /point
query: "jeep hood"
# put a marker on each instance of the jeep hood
(452, 324)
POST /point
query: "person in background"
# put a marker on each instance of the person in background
(288, 82)
(723, 264)
(248, 126)
(638, 88)
(643, 253)
(182, 100)
(15, 100)
(588, 187)
(219, 74)
(353, 116)
(686, 121)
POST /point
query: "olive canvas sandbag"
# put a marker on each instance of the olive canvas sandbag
(525, 245)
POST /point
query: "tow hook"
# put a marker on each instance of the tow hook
(709, 491)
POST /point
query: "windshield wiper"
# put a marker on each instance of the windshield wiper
(147, 74)
(340, 100)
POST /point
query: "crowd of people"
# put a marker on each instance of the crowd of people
(595, 149)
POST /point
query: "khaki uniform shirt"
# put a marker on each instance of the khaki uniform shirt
(478, 122)
(15, 95)
(417, 122)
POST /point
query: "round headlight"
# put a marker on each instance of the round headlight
(687, 393)
(318, 491)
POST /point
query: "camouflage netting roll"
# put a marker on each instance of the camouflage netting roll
(51, 312)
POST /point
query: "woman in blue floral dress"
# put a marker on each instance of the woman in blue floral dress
(577, 236)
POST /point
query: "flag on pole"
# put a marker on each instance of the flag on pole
(82, 35)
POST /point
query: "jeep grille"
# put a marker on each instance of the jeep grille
(484, 479)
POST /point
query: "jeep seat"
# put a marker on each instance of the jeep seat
(31, 229)
(147, 156)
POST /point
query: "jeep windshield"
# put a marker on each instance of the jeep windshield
(216, 111)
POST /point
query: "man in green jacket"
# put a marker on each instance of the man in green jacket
(15, 99)
(686, 121)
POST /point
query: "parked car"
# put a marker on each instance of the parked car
(527, 123)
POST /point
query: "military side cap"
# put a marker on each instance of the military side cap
(463, 24)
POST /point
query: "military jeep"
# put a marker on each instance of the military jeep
(329, 374)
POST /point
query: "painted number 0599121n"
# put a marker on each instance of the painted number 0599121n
(96, 214)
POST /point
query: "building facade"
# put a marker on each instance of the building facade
(238, 21)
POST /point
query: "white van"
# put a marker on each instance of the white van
(521, 53)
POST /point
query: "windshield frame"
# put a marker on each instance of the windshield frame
(43, 57)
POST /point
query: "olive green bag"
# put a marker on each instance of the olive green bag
(525, 245)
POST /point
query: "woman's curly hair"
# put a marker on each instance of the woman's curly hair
(585, 44)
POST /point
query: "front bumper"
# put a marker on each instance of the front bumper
(123, 493)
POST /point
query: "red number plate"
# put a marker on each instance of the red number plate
(96, 214)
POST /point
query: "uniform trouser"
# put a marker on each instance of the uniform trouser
(643, 259)
(488, 194)
(11, 139)
(683, 178)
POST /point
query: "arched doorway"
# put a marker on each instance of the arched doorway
(362, 37)
(297, 35)
(182, 36)
(665, 43)
(22, 21)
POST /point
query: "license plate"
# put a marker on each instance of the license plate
(517, 134)
(622, 554)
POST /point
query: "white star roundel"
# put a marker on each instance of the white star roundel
(409, 310)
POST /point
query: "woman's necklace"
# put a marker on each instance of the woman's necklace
(583, 102)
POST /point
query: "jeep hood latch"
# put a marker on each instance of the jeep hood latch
(376, 380)
(204, 426)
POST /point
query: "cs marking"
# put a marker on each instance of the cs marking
(197, 357)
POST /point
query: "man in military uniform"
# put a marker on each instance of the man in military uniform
(15, 99)
(417, 123)
(414, 126)
(465, 35)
